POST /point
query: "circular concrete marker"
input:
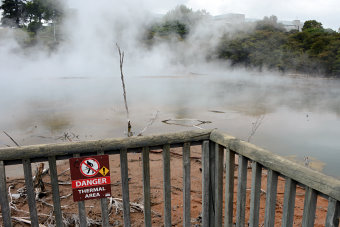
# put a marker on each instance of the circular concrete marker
(89, 167)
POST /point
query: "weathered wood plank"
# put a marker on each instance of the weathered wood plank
(30, 192)
(167, 185)
(311, 178)
(55, 191)
(212, 160)
(309, 207)
(229, 188)
(333, 213)
(241, 191)
(5, 209)
(272, 180)
(83, 147)
(205, 184)
(289, 203)
(104, 204)
(219, 155)
(105, 212)
(125, 186)
(81, 207)
(146, 186)
(255, 194)
(186, 185)
(82, 214)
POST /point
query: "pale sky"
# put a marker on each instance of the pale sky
(325, 11)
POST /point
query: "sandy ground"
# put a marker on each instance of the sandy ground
(70, 208)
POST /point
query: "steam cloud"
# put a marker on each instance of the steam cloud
(90, 33)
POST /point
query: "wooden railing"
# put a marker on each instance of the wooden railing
(315, 184)
(214, 146)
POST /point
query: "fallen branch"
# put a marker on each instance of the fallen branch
(65, 196)
(49, 204)
(69, 136)
(62, 182)
(38, 182)
(5, 144)
(63, 172)
(11, 139)
(151, 121)
(26, 212)
(255, 126)
(74, 220)
(134, 207)
(45, 171)
(199, 122)
(23, 220)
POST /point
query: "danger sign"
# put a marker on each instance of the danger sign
(90, 177)
(89, 167)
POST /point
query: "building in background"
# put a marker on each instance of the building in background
(230, 18)
(292, 25)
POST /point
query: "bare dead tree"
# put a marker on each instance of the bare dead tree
(121, 62)
(255, 126)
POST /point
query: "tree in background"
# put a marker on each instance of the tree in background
(270, 24)
(312, 24)
(38, 10)
(37, 18)
(315, 50)
(30, 13)
(12, 13)
(186, 16)
(178, 21)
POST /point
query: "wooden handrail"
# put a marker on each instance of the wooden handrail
(306, 176)
(45, 150)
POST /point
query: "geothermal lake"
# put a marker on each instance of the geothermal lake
(295, 117)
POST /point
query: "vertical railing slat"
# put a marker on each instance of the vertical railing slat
(104, 206)
(333, 213)
(5, 209)
(55, 191)
(30, 192)
(229, 188)
(255, 194)
(82, 214)
(212, 159)
(146, 186)
(218, 184)
(186, 185)
(125, 186)
(167, 185)
(81, 207)
(309, 207)
(105, 212)
(205, 184)
(241, 191)
(289, 203)
(272, 180)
